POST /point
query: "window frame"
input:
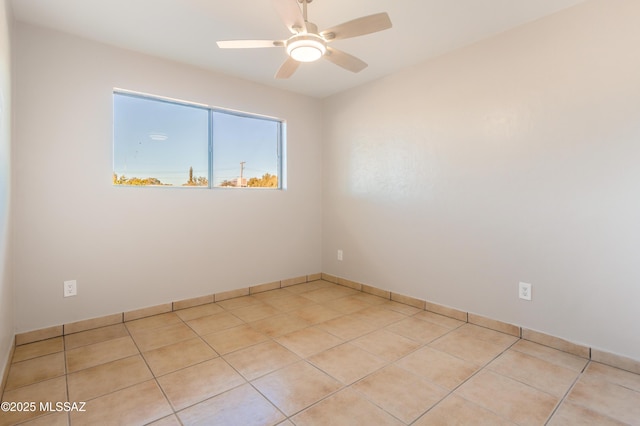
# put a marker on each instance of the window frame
(281, 127)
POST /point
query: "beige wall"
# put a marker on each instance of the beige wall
(515, 159)
(511, 160)
(135, 247)
(6, 286)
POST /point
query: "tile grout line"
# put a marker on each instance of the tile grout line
(393, 362)
(66, 372)
(219, 355)
(152, 374)
(564, 397)
(481, 369)
(362, 288)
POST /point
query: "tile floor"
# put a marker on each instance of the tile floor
(312, 354)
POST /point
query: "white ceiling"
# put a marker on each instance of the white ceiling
(186, 31)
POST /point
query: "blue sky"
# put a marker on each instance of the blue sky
(163, 139)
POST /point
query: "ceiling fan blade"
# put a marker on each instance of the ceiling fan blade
(248, 44)
(287, 68)
(357, 27)
(290, 14)
(344, 60)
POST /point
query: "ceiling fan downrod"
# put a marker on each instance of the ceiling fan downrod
(304, 8)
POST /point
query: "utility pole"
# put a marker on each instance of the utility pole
(242, 163)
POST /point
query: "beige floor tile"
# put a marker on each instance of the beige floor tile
(55, 419)
(213, 323)
(289, 303)
(387, 345)
(347, 363)
(261, 359)
(308, 341)
(199, 382)
(37, 335)
(345, 408)
(378, 316)
(501, 326)
(239, 302)
(540, 374)
(346, 327)
(199, 311)
(316, 314)
(155, 321)
(400, 393)
(280, 324)
(555, 342)
(305, 287)
(35, 370)
(438, 367)
(34, 350)
(234, 338)
(400, 307)
(554, 356)
(271, 294)
(192, 302)
(613, 375)
(346, 305)
(154, 338)
(136, 405)
(450, 323)
(458, 411)
(418, 330)
(615, 360)
(100, 353)
(89, 337)
(106, 378)
(54, 390)
(478, 352)
(370, 298)
(93, 323)
(508, 398)
(240, 406)
(296, 387)
(329, 293)
(255, 312)
(569, 414)
(232, 294)
(486, 335)
(607, 398)
(149, 311)
(178, 355)
(261, 288)
(353, 357)
(171, 420)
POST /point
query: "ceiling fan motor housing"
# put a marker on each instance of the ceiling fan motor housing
(306, 47)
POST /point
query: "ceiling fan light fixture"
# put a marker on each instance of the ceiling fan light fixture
(306, 48)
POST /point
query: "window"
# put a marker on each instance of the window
(157, 142)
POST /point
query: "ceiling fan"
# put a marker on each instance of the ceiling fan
(307, 44)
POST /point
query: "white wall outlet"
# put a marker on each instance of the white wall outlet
(70, 288)
(524, 291)
(340, 255)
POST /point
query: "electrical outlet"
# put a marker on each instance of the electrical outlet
(339, 254)
(70, 288)
(524, 291)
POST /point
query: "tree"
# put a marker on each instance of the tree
(198, 181)
(134, 181)
(266, 181)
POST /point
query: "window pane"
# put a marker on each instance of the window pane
(245, 151)
(159, 143)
